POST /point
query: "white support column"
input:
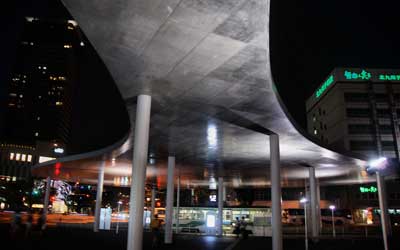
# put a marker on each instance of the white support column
(276, 196)
(178, 191)
(170, 200)
(319, 221)
(46, 198)
(99, 196)
(380, 181)
(314, 206)
(220, 205)
(153, 201)
(140, 147)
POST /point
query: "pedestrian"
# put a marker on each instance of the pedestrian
(243, 229)
(236, 229)
(16, 224)
(155, 227)
(41, 223)
(28, 225)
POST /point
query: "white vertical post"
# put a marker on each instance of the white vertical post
(153, 201)
(170, 200)
(382, 206)
(46, 198)
(275, 192)
(140, 147)
(305, 226)
(220, 205)
(314, 203)
(99, 196)
(178, 191)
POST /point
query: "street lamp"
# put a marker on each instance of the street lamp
(332, 208)
(304, 202)
(119, 204)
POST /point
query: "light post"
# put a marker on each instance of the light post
(119, 204)
(304, 202)
(332, 208)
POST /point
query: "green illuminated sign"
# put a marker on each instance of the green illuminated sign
(364, 75)
(371, 189)
(324, 86)
(384, 77)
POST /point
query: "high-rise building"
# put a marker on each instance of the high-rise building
(357, 110)
(38, 106)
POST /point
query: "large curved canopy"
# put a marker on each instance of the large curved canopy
(206, 65)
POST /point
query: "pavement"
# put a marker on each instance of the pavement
(82, 237)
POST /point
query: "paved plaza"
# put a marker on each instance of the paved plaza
(81, 237)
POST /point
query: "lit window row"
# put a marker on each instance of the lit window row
(16, 146)
(42, 67)
(67, 46)
(20, 157)
(59, 103)
(15, 95)
(55, 78)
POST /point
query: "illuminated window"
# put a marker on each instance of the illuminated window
(18, 156)
(23, 157)
(315, 131)
(59, 103)
(67, 46)
(37, 134)
(38, 118)
(29, 158)
(12, 156)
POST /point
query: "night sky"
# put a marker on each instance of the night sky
(308, 39)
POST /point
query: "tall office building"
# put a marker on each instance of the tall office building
(38, 107)
(357, 110)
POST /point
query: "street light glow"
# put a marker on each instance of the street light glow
(377, 163)
(303, 200)
(332, 207)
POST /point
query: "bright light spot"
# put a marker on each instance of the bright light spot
(332, 207)
(210, 220)
(303, 200)
(212, 135)
(59, 150)
(377, 163)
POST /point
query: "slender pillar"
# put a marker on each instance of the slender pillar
(140, 147)
(314, 203)
(178, 191)
(170, 200)
(220, 205)
(383, 207)
(99, 196)
(276, 196)
(319, 207)
(153, 201)
(46, 198)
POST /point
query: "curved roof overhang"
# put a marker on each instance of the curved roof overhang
(207, 66)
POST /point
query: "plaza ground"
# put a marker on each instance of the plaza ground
(67, 236)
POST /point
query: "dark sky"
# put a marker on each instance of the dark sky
(308, 39)
(311, 37)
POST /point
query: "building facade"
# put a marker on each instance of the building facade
(37, 112)
(357, 110)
